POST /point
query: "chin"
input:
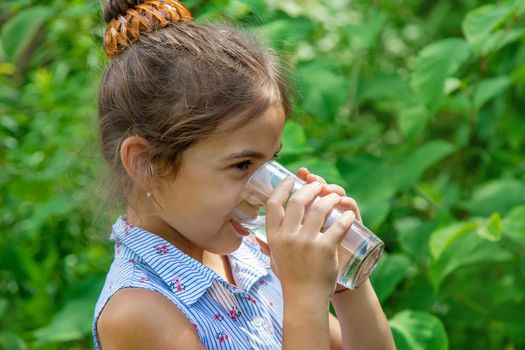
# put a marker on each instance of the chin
(231, 247)
(226, 247)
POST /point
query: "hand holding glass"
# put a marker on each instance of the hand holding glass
(360, 249)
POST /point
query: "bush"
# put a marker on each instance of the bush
(415, 107)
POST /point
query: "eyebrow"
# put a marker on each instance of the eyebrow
(249, 154)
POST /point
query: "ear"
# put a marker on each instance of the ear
(135, 159)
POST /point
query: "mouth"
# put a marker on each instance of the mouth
(239, 229)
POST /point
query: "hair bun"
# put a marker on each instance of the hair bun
(113, 8)
(149, 15)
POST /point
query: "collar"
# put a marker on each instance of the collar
(188, 278)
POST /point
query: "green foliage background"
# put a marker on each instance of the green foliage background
(415, 107)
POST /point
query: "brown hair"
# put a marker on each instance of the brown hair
(176, 85)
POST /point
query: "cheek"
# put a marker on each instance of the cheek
(211, 196)
(231, 196)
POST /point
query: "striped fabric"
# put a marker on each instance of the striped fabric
(247, 315)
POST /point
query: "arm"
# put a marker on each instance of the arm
(363, 323)
(136, 318)
(335, 333)
(305, 260)
(305, 324)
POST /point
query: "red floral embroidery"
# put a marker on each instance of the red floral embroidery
(142, 279)
(234, 313)
(222, 337)
(252, 300)
(161, 249)
(177, 284)
(133, 261)
(263, 283)
(218, 317)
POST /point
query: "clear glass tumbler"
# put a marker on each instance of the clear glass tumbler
(360, 249)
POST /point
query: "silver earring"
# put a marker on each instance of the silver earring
(149, 195)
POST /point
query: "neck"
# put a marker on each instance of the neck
(153, 224)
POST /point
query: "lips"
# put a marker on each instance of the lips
(239, 229)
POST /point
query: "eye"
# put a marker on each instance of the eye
(242, 165)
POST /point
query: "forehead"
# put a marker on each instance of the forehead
(261, 134)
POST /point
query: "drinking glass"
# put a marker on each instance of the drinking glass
(360, 249)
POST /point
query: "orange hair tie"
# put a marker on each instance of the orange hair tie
(125, 29)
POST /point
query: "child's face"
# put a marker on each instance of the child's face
(199, 203)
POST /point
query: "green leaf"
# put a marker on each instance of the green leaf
(514, 224)
(287, 31)
(294, 140)
(380, 86)
(451, 85)
(19, 31)
(390, 271)
(366, 34)
(415, 330)
(492, 228)
(434, 64)
(417, 294)
(11, 341)
(466, 249)
(8, 94)
(370, 183)
(420, 160)
(489, 88)
(442, 238)
(413, 119)
(3, 306)
(257, 6)
(326, 170)
(323, 87)
(72, 322)
(496, 196)
(518, 75)
(413, 237)
(488, 27)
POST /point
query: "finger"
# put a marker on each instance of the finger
(347, 203)
(312, 177)
(297, 204)
(318, 212)
(327, 189)
(336, 232)
(302, 173)
(275, 204)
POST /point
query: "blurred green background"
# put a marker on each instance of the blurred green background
(415, 107)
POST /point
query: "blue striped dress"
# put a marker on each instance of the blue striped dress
(247, 315)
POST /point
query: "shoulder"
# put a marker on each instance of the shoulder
(136, 318)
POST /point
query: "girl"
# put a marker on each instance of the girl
(187, 113)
